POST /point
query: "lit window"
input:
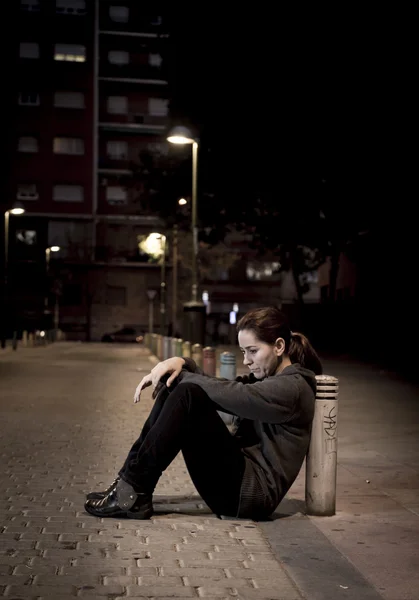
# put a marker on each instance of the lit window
(155, 60)
(64, 145)
(117, 150)
(29, 50)
(27, 191)
(69, 99)
(158, 107)
(70, 52)
(29, 98)
(117, 105)
(27, 144)
(118, 57)
(30, 5)
(119, 14)
(116, 195)
(71, 7)
(68, 193)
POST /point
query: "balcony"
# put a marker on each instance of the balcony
(145, 74)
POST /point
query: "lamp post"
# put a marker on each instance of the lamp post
(163, 286)
(195, 325)
(56, 309)
(17, 209)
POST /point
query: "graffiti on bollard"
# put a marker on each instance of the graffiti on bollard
(197, 355)
(209, 365)
(321, 459)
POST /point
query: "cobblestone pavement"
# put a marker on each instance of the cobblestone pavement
(68, 420)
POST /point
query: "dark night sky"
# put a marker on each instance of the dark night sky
(298, 99)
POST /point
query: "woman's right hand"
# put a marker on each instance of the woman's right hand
(172, 365)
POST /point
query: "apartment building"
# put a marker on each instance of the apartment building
(90, 113)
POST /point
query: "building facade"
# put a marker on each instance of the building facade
(89, 116)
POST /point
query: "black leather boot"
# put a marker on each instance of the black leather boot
(122, 501)
(100, 495)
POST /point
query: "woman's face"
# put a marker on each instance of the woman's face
(262, 359)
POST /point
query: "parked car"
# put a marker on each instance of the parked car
(123, 335)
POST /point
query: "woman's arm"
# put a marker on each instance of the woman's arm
(273, 400)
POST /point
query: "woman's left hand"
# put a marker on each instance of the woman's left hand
(172, 365)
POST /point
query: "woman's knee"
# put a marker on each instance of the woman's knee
(192, 391)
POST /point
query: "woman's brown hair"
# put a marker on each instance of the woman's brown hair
(269, 323)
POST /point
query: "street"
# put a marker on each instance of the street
(68, 420)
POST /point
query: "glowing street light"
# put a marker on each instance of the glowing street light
(195, 319)
(181, 135)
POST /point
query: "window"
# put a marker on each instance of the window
(29, 50)
(158, 107)
(116, 195)
(155, 60)
(119, 14)
(116, 295)
(28, 98)
(27, 191)
(118, 57)
(30, 5)
(156, 20)
(69, 100)
(117, 105)
(70, 52)
(68, 193)
(71, 7)
(64, 145)
(117, 150)
(27, 144)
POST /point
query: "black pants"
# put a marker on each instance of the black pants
(186, 420)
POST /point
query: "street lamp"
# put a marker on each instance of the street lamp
(17, 209)
(56, 310)
(181, 136)
(155, 245)
(195, 324)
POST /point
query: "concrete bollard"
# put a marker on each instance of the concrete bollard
(186, 349)
(228, 365)
(321, 460)
(209, 362)
(227, 371)
(154, 343)
(166, 347)
(159, 350)
(179, 343)
(197, 355)
(173, 346)
(31, 340)
(24, 339)
(147, 340)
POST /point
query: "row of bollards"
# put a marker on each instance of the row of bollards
(205, 357)
(321, 459)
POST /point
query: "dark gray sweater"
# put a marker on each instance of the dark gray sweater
(272, 425)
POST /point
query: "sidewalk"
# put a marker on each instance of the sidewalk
(68, 420)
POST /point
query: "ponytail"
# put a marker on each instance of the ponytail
(302, 352)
